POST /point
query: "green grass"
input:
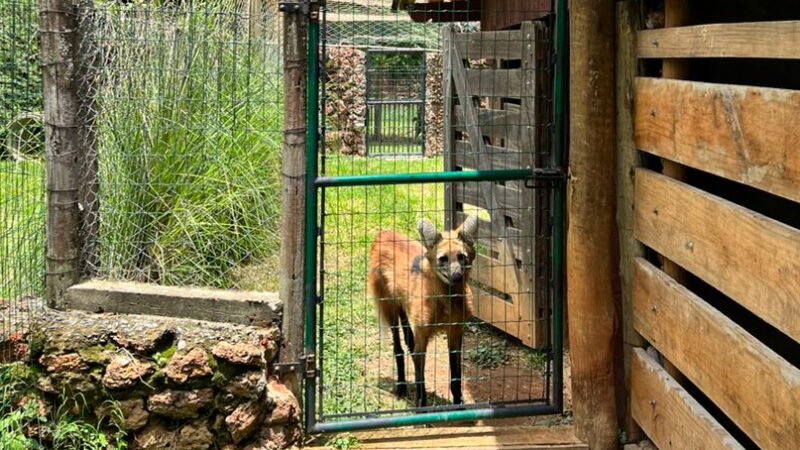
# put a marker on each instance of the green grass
(22, 210)
(189, 140)
(353, 217)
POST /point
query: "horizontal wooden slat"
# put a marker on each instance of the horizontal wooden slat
(490, 45)
(752, 259)
(751, 384)
(492, 122)
(497, 157)
(780, 40)
(746, 134)
(510, 202)
(215, 305)
(669, 416)
(495, 82)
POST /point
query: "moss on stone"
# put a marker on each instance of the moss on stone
(97, 354)
(162, 358)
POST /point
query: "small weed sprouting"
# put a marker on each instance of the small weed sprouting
(489, 354)
(25, 423)
(344, 442)
(537, 359)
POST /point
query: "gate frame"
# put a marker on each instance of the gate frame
(556, 176)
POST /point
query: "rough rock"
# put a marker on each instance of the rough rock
(244, 420)
(194, 436)
(125, 372)
(133, 412)
(180, 404)
(277, 437)
(287, 408)
(192, 365)
(249, 385)
(239, 353)
(62, 363)
(154, 437)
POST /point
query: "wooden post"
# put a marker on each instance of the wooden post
(592, 268)
(628, 20)
(60, 41)
(293, 193)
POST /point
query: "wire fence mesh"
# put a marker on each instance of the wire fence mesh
(184, 101)
(391, 307)
(22, 189)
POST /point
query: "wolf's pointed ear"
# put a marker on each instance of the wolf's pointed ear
(468, 231)
(427, 231)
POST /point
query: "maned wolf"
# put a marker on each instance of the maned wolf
(424, 289)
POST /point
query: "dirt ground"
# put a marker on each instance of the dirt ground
(518, 378)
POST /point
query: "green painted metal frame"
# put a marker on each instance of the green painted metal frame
(314, 182)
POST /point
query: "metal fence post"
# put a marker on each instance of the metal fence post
(60, 42)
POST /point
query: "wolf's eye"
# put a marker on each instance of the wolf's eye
(462, 257)
(443, 259)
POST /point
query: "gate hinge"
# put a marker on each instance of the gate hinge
(545, 178)
(307, 7)
(306, 366)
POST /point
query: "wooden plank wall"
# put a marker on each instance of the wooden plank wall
(715, 206)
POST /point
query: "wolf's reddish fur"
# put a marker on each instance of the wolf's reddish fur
(424, 291)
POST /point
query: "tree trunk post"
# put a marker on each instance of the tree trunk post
(293, 192)
(60, 43)
(592, 265)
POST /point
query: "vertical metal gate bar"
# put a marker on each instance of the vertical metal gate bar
(559, 157)
(310, 279)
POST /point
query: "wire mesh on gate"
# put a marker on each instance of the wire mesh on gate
(185, 106)
(22, 189)
(494, 114)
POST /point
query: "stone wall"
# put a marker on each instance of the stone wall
(179, 384)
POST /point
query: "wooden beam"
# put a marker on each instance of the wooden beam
(592, 269)
(63, 130)
(628, 23)
(749, 257)
(213, 305)
(777, 40)
(746, 134)
(669, 415)
(293, 192)
(756, 388)
(475, 437)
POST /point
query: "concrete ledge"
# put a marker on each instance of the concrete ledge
(214, 305)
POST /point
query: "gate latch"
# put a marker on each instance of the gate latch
(307, 365)
(545, 178)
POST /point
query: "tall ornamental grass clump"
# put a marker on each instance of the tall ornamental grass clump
(189, 131)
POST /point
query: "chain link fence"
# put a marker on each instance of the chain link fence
(183, 102)
(22, 193)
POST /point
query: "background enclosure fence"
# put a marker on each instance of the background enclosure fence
(183, 104)
(396, 101)
(22, 189)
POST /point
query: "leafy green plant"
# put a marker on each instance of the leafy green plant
(489, 354)
(344, 442)
(25, 425)
(536, 359)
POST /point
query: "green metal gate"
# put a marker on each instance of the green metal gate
(349, 379)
